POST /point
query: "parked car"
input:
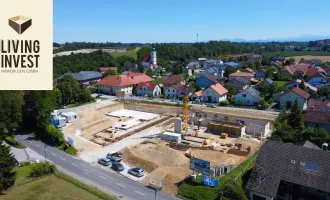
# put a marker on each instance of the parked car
(211, 105)
(117, 166)
(114, 157)
(105, 162)
(179, 103)
(138, 172)
(99, 96)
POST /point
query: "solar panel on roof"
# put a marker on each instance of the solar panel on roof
(312, 167)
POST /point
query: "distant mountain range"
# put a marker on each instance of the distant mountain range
(301, 38)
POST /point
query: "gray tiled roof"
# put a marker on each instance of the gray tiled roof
(308, 144)
(83, 75)
(275, 163)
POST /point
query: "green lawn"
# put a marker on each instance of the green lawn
(196, 191)
(280, 83)
(295, 53)
(50, 187)
(159, 80)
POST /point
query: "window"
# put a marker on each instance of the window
(290, 97)
(168, 90)
(173, 91)
(243, 95)
(317, 125)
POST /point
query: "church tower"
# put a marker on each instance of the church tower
(153, 56)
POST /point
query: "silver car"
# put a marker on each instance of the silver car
(138, 172)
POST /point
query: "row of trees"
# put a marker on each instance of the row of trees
(90, 62)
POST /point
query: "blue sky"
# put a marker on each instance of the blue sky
(180, 20)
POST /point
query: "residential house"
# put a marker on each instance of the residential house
(194, 64)
(327, 71)
(287, 171)
(314, 61)
(173, 80)
(254, 58)
(248, 70)
(83, 76)
(232, 64)
(150, 89)
(287, 99)
(249, 97)
(279, 60)
(297, 71)
(205, 81)
(295, 83)
(261, 73)
(122, 83)
(215, 93)
(277, 64)
(212, 63)
(317, 114)
(104, 69)
(239, 83)
(217, 73)
(177, 91)
(316, 76)
(267, 82)
(246, 76)
(196, 95)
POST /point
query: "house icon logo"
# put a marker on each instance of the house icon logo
(20, 23)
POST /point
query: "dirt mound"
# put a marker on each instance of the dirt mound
(160, 154)
(129, 157)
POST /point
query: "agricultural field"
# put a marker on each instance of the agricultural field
(323, 58)
(297, 53)
(49, 187)
(127, 53)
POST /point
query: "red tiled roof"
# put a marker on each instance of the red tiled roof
(218, 88)
(199, 93)
(150, 85)
(314, 71)
(263, 70)
(146, 58)
(294, 68)
(125, 80)
(103, 69)
(298, 91)
(318, 105)
(171, 79)
(249, 70)
(241, 74)
(317, 117)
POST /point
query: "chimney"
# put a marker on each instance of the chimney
(325, 146)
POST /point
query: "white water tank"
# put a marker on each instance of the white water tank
(325, 146)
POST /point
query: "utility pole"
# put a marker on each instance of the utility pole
(156, 190)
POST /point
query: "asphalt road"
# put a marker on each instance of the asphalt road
(111, 183)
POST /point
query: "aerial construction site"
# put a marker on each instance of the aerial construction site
(161, 139)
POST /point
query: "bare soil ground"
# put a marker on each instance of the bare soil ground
(168, 165)
(323, 58)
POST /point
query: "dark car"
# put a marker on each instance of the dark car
(99, 96)
(105, 162)
(136, 172)
(117, 166)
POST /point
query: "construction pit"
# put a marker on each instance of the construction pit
(136, 130)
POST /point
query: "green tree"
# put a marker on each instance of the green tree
(229, 70)
(295, 118)
(7, 176)
(58, 96)
(109, 73)
(198, 87)
(317, 136)
(302, 85)
(134, 90)
(324, 92)
(292, 61)
(257, 65)
(140, 67)
(150, 72)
